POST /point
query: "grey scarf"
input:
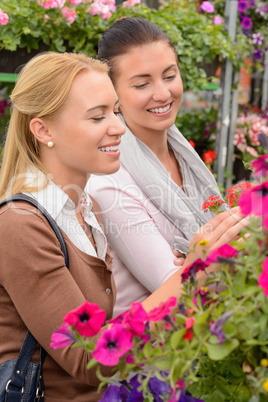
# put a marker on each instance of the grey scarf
(182, 208)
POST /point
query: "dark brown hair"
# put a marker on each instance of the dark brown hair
(125, 34)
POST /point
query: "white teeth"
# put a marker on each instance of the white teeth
(160, 109)
(109, 149)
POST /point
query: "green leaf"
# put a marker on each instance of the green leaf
(163, 364)
(92, 363)
(176, 338)
(219, 352)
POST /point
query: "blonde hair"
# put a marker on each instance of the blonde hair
(42, 88)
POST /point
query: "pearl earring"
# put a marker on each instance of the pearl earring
(50, 144)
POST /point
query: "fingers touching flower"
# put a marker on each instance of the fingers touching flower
(62, 337)
(87, 319)
(112, 345)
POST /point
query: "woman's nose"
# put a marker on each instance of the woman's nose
(117, 127)
(161, 92)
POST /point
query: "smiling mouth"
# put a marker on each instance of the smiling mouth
(160, 109)
(113, 148)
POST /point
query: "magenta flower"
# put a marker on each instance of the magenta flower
(246, 22)
(62, 337)
(135, 318)
(261, 166)
(162, 310)
(254, 200)
(3, 18)
(191, 270)
(222, 254)
(243, 5)
(263, 278)
(207, 7)
(203, 292)
(258, 54)
(87, 319)
(112, 345)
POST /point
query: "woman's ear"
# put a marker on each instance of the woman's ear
(40, 130)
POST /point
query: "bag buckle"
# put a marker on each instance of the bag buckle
(7, 390)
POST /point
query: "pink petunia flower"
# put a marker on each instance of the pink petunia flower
(189, 322)
(135, 318)
(62, 337)
(207, 7)
(130, 3)
(255, 200)
(3, 18)
(69, 14)
(246, 22)
(162, 310)
(263, 278)
(87, 319)
(112, 345)
(261, 166)
(223, 252)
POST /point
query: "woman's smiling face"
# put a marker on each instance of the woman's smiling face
(149, 87)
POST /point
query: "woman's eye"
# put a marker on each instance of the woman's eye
(97, 119)
(117, 112)
(140, 86)
(170, 77)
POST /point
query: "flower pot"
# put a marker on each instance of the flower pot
(11, 62)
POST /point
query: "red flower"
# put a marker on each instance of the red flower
(86, 319)
(192, 143)
(191, 270)
(213, 204)
(209, 156)
(188, 335)
(162, 310)
(233, 193)
(189, 322)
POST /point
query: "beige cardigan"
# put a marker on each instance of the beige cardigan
(37, 290)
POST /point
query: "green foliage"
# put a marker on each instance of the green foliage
(196, 38)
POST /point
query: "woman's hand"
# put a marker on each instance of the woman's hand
(221, 229)
(179, 261)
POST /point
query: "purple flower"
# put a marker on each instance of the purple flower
(251, 3)
(116, 394)
(62, 337)
(112, 345)
(258, 53)
(257, 38)
(207, 7)
(187, 397)
(246, 22)
(159, 389)
(242, 5)
(216, 327)
(3, 106)
(263, 139)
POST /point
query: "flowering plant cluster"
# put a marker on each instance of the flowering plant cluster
(252, 24)
(78, 25)
(209, 345)
(250, 122)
